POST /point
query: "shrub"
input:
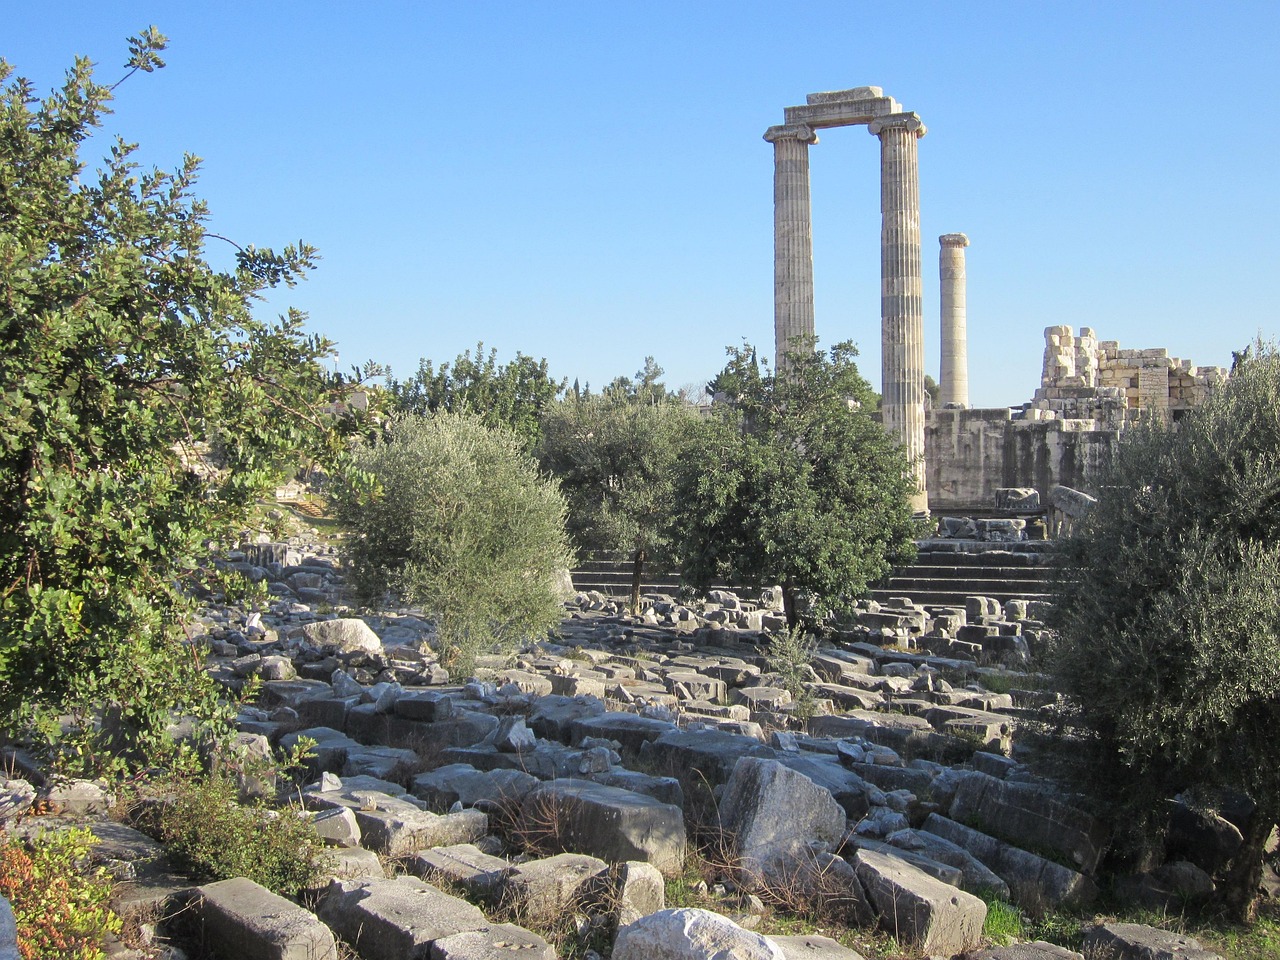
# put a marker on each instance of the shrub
(214, 837)
(453, 515)
(60, 906)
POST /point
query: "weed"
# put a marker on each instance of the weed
(1003, 925)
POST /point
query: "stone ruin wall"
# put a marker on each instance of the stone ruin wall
(1090, 390)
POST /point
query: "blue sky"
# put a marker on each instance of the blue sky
(587, 181)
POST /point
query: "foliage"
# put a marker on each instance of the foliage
(794, 483)
(213, 836)
(1170, 633)
(647, 387)
(60, 905)
(789, 654)
(511, 395)
(453, 515)
(1003, 924)
(145, 409)
(615, 457)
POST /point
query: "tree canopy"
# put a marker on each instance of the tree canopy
(1170, 632)
(144, 408)
(794, 483)
(616, 456)
(511, 395)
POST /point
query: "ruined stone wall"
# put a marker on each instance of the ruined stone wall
(972, 453)
(1090, 391)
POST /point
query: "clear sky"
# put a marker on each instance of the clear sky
(586, 181)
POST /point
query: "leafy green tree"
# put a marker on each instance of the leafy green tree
(452, 515)
(615, 456)
(502, 394)
(1169, 628)
(794, 483)
(646, 387)
(144, 409)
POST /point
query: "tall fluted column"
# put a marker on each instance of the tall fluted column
(901, 294)
(792, 237)
(954, 384)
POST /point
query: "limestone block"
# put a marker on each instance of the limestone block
(354, 863)
(630, 730)
(337, 827)
(540, 890)
(463, 865)
(396, 919)
(496, 942)
(696, 686)
(709, 754)
(248, 920)
(814, 947)
(1027, 815)
(462, 783)
(639, 890)
(1036, 950)
(349, 635)
(614, 824)
(1034, 882)
(429, 707)
(976, 877)
(691, 934)
(773, 812)
(8, 932)
(917, 909)
(1136, 941)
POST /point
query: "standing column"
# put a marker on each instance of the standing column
(901, 293)
(792, 237)
(954, 387)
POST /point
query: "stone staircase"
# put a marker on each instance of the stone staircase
(947, 571)
(611, 575)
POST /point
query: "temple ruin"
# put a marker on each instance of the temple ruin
(1090, 389)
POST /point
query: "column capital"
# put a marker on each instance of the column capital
(910, 122)
(791, 131)
(953, 240)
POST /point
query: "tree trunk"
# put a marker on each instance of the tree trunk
(637, 569)
(1239, 885)
(789, 606)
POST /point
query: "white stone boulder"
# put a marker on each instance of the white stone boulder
(348, 635)
(691, 934)
(916, 909)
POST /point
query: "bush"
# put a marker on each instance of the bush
(59, 904)
(213, 836)
(452, 515)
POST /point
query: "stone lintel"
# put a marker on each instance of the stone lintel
(791, 131)
(910, 121)
(842, 96)
(842, 113)
(953, 240)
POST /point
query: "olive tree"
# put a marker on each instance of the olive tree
(143, 408)
(793, 482)
(616, 456)
(453, 516)
(1169, 644)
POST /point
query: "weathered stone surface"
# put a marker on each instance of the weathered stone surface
(8, 932)
(498, 942)
(631, 730)
(539, 890)
(463, 864)
(977, 876)
(772, 813)
(1037, 950)
(814, 948)
(462, 783)
(1024, 814)
(393, 826)
(1033, 881)
(691, 934)
(395, 919)
(613, 824)
(354, 863)
(349, 635)
(1136, 941)
(247, 920)
(337, 827)
(917, 909)
(698, 754)
(639, 890)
